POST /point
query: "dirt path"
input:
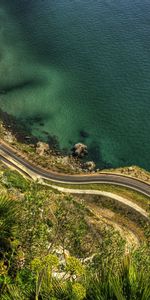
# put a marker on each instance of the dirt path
(102, 193)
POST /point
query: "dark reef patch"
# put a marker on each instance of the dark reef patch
(19, 129)
(18, 86)
(84, 134)
(22, 130)
(95, 155)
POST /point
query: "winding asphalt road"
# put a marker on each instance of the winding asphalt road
(134, 184)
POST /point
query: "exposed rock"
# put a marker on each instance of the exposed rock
(90, 165)
(9, 137)
(41, 148)
(130, 168)
(65, 160)
(80, 150)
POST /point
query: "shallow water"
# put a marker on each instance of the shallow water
(80, 70)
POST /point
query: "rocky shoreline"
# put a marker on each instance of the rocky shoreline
(50, 157)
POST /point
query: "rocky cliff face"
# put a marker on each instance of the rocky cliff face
(41, 148)
(80, 150)
(90, 165)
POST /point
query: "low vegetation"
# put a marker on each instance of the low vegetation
(53, 247)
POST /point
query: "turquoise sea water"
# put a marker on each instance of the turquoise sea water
(80, 66)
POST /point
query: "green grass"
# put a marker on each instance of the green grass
(14, 179)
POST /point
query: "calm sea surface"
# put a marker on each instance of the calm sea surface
(80, 70)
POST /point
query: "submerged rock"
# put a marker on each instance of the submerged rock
(84, 134)
(80, 150)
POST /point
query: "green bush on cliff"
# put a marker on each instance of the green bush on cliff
(30, 268)
(15, 180)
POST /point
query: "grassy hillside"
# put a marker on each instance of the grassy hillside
(58, 246)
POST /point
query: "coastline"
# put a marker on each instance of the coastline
(138, 189)
(53, 159)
